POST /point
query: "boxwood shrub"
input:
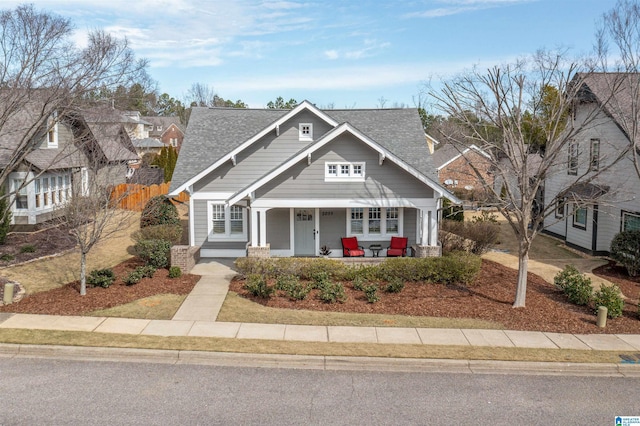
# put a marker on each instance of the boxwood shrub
(625, 249)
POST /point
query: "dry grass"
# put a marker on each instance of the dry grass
(159, 307)
(70, 338)
(54, 272)
(238, 309)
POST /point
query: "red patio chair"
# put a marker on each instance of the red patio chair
(398, 247)
(350, 247)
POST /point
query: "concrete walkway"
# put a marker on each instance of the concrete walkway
(197, 317)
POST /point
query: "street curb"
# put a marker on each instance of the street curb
(316, 362)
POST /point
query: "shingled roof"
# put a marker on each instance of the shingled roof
(213, 133)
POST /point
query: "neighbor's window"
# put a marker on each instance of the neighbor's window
(52, 131)
(227, 222)
(572, 166)
(580, 217)
(20, 190)
(594, 163)
(630, 221)
(560, 208)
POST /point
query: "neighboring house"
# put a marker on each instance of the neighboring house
(66, 147)
(458, 170)
(167, 130)
(147, 146)
(588, 215)
(286, 182)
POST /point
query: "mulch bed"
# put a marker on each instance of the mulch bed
(66, 300)
(489, 297)
(45, 242)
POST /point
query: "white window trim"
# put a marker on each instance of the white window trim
(366, 236)
(302, 136)
(577, 224)
(227, 236)
(626, 213)
(341, 177)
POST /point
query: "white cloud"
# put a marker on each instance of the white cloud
(454, 7)
(331, 54)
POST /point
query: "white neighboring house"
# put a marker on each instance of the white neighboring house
(593, 199)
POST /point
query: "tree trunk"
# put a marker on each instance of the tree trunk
(83, 274)
(523, 266)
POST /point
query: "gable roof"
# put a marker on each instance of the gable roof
(616, 93)
(448, 153)
(216, 135)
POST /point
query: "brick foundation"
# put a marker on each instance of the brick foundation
(426, 251)
(260, 252)
(185, 257)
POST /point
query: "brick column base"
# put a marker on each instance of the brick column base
(260, 252)
(426, 251)
(185, 257)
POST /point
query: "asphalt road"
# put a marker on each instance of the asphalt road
(59, 392)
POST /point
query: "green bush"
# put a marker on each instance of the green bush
(257, 286)
(454, 268)
(358, 283)
(175, 272)
(611, 298)
(321, 279)
(153, 252)
(133, 277)
(28, 248)
(298, 290)
(395, 285)
(452, 211)
(159, 211)
(101, 278)
(5, 217)
(168, 232)
(625, 249)
(575, 285)
(147, 271)
(286, 282)
(332, 293)
(371, 293)
(7, 257)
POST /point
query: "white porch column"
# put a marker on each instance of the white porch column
(263, 227)
(424, 227)
(432, 216)
(259, 227)
(254, 227)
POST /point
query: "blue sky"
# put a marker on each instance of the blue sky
(360, 53)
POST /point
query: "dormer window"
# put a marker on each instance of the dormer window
(305, 132)
(344, 172)
(52, 131)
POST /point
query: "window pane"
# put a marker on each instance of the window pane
(217, 216)
(357, 216)
(630, 222)
(374, 220)
(580, 216)
(344, 169)
(392, 220)
(236, 217)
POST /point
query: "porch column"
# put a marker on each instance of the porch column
(263, 227)
(259, 246)
(428, 246)
(254, 227)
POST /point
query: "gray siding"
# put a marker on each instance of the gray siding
(262, 156)
(279, 229)
(333, 226)
(200, 220)
(386, 181)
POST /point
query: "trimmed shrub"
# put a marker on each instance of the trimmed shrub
(358, 283)
(298, 290)
(168, 232)
(371, 293)
(285, 282)
(625, 249)
(575, 285)
(257, 286)
(101, 278)
(332, 293)
(611, 298)
(153, 252)
(395, 285)
(454, 268)
(175, 272)
(159, 211)
(29, 248)
(321, 279)
(134, 276)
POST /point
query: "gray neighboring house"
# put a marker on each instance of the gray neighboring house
(65, 148)
(287, 182)
(588, 215)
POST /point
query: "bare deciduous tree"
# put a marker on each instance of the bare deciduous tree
(497, 108)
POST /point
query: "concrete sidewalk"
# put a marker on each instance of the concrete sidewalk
(197, 317)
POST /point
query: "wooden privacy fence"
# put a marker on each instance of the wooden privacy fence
(134, 197)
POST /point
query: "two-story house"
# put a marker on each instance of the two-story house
(287, 182)
(167, 130)
(63, 148)
(595, 193)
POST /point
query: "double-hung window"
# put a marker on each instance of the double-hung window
(572, 166)
(227, 222)
(374, 223)
(52, 131)
(20, 189)
(594, 163)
